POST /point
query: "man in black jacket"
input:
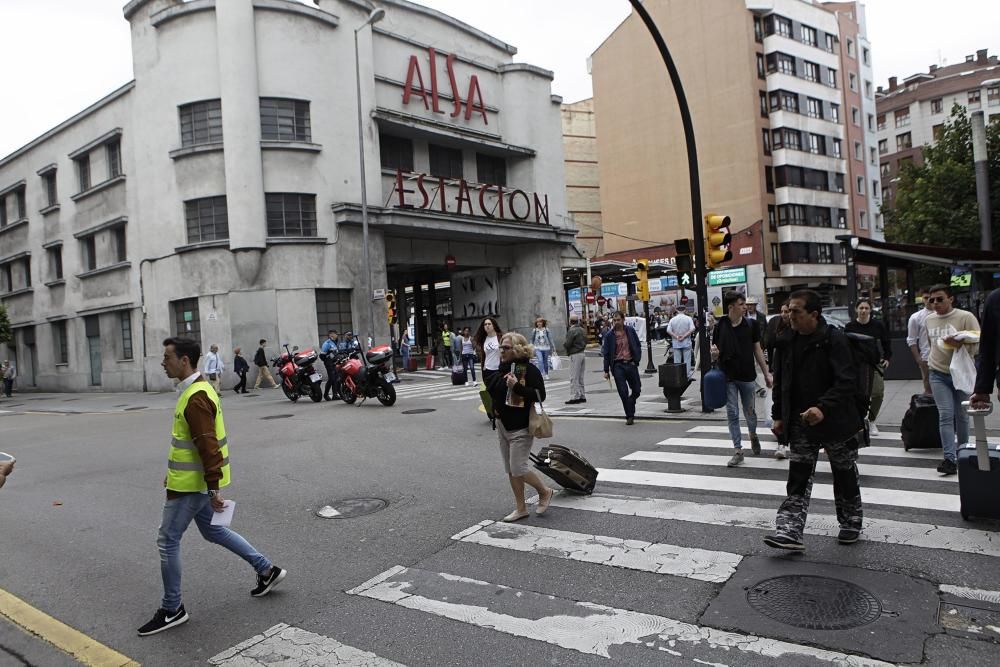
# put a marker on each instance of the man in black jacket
(814, 380)
(260, 361)
(989, 353)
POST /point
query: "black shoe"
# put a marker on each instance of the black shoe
(782, 542)
(244, 392)
(947, 467)
(754, 444)
(582, 400)
(573, 401)
(629, 421)
(848, 535)
(164, 620)
(265, 584)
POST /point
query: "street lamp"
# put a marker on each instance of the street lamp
(375, 16)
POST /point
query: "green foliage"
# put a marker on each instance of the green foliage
(935, 201)
(6, 335)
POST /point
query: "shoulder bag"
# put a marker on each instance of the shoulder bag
(539, 423)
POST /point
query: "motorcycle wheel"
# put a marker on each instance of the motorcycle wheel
(291, 394)
(386, 393)
(346, 395)
(316, 394)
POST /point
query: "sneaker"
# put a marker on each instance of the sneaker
(781, 452)
(573, 401)
(164, 620)
(848, 535)
(755, 444)
(782, 542)
(265, 584)
(873, 429)
(736, 460)
(947, 467)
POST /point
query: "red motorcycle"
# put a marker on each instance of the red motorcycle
(369, 377)
(298, 375)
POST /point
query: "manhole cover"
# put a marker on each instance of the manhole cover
(277, 416)
(137, 407)
(815, 603)
(417, 411)
(348, 508)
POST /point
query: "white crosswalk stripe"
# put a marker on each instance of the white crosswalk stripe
(287, 645)
(770, 445)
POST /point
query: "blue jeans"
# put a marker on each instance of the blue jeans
(951, 416)
(682, 355)
(177, 515)
(469, 365)
(627, 381)
(737, 392)
(542, 357)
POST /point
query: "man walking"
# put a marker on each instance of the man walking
(214, 368)
(916, 338)
(622, 354)
(942, 325)
(9, 375)
(736, 345)
(197, 468)
(681, 331)
(241, 368)
(260, 361)
(814, 406)
(328, 351)
(446, 342)
(576, 349)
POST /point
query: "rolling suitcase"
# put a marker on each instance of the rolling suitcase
(458, 375)
(979, 471)
(570, 470)
(920, 424)
(715, 389)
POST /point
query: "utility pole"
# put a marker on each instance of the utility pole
(979, 159)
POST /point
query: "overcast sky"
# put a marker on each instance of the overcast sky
(59, 56)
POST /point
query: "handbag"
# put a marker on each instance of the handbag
(555, 362)
(539, 423)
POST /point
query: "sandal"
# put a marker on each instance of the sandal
(515, 516)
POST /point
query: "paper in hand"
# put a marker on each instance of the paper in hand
(225, 517)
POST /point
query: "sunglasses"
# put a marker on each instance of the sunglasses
(506, 347)
(936, 299)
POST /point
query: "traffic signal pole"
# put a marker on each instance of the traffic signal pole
(700, 268)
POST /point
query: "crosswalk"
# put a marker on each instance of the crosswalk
(642, 520)
(446, 391)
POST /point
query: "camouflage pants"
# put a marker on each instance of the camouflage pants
(802, 459)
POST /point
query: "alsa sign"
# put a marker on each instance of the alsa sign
(490, 201)
(415, 87)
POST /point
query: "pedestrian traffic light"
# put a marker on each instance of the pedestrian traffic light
(684, 263)
(390, 302)
(641, 279)
(717, 239)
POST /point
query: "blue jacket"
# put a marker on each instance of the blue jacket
(608, 347)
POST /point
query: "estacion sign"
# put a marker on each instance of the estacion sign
(494, 201)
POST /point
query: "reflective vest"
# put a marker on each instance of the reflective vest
(446, 338)
(184, 470)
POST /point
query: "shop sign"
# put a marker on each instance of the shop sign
(727, 276)
(491, 201)
(573, 294)
(415, 87)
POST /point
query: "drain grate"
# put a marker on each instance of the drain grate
(417, 411)
(277, 416)
(814, 603)
(348, 508)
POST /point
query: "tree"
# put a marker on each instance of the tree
(935, 202)
(6, 335)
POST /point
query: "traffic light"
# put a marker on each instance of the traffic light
(717, 238)
(390, 302)
(684, 265)
(641, 279)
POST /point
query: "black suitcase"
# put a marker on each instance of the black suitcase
(920, 424)
(458, 377)
(979, 472)
(570, 470)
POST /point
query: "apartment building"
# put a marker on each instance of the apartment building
(912, 114)
(783, 111)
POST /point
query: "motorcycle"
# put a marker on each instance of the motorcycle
(367, 380)
(298, 376)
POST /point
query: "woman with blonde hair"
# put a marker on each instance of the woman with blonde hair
(514, 388)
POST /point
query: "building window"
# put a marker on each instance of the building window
(760, 66)
(51, 195)
(904, 141)
(902, 117)
(120, 243)
(852, 81)
(769, 179)
(810, 71)
(783, 26)
(3, 211)
(83, 172)
(856, 116)
(772, 218)
(113, 152)
(881, 122)
(938, 131)
(333, 310)
(814, 107)
(850, 48)
(187, 321)
(993, 96)
(817, 144)
(831, 78)
(207, 219)
(763, 104)
(937, 105)
(858, 151)
(88, 245)
(975, 99)
(26, 269)
(835, 113)
(883, 146)
(781, 62)
(491, 169)
(793, 140)
(125, 319)
(55, 262)
(808, 35)
(875, 189)
(861, 185)
(7, 275)
(785, 101)
(284, 120)
(758, 29)
(821, 217)
(791, 214)
(831, 43)
(290, 214)
(445, 162)
(838, 182)
(866, 56)
(884, 169)
(872, 156)
(20, 204)
(60, 342)
(396, 152)
(766, 138)
(775, 258)
(201, 122)
(824, 253)
(836, 148)
(868, 89)
(842, 218)
(871, 122)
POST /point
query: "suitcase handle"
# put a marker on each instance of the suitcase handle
(979, 423)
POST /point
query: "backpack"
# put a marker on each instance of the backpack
(864, 353)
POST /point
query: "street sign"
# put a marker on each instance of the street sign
(590, 297)
(378, 294)
(727, 276)
(601, 301)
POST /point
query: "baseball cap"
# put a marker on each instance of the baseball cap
(751, 300)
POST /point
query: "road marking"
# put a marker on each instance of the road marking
(586, 627)
(768, 463)
(294, 647)
(83, 649)
(701, 564)
(548, 389)
(764, 487)
(892, 452)
(882, 435)
(978, 594)
(887, 531)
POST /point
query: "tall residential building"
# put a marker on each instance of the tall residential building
(783, 110)
(583, 197)
(913, 114)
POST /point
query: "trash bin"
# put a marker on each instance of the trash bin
(674, 381)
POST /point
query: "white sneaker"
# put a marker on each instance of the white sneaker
(781, 452)
(872, 429)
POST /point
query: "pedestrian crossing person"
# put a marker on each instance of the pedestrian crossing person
(575, 345)
(622, 354)
(814, 409)
(487, 343)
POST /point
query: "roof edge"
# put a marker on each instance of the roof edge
(452, 21)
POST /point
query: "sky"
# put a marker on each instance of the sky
(60, 56)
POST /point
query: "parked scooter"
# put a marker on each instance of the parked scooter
(367, 380)
(298, 375)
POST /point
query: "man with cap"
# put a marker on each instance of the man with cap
(681, 330)
(758, 319)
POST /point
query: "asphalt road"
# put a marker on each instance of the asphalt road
(657, 567)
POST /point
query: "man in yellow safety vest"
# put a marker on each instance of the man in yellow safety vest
(197, 468)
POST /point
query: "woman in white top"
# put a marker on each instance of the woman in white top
(487, 340)
(542, 342)
(468, 355)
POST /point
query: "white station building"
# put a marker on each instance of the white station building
(218, 194)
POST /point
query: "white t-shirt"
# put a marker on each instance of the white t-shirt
(491, 349)
(916, 332)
